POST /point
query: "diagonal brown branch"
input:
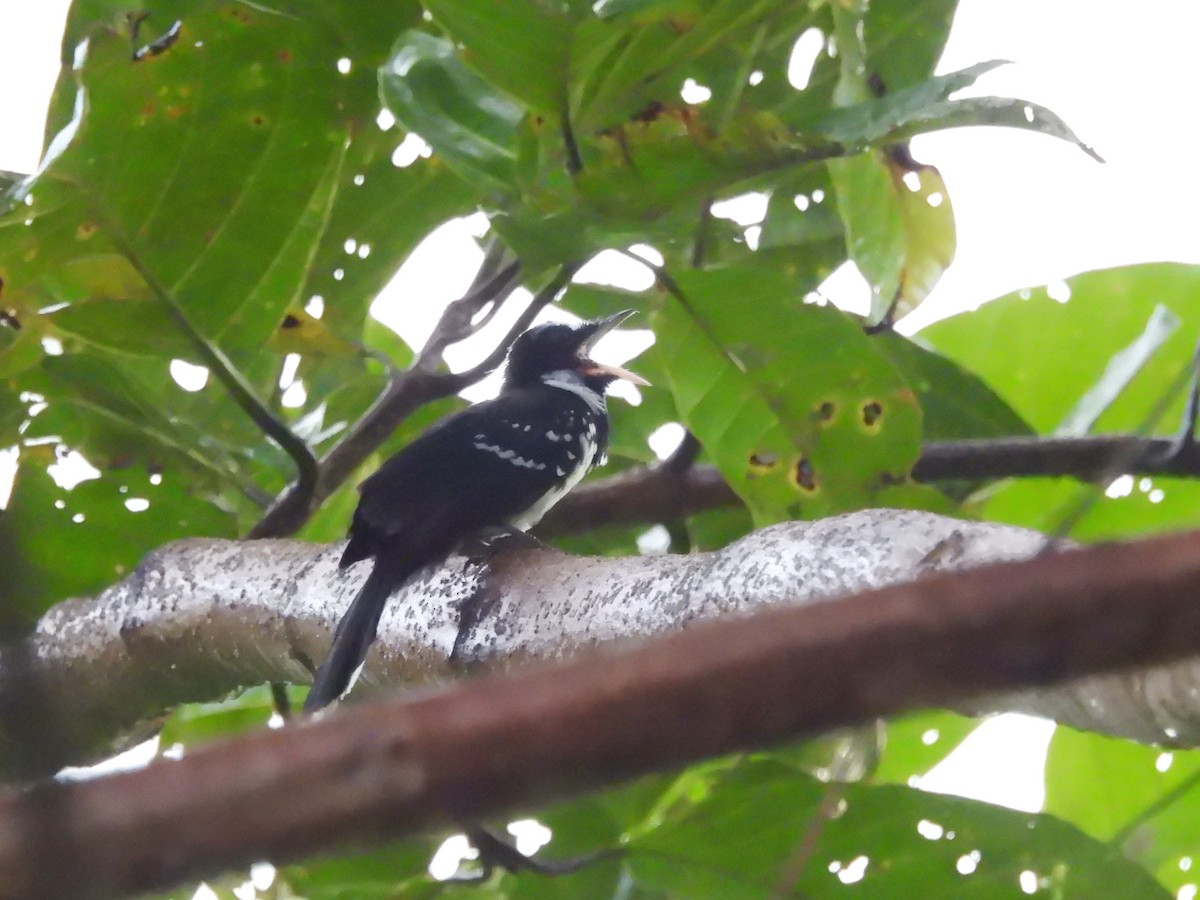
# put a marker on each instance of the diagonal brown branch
(483, 747)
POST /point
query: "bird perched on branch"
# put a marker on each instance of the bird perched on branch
(503, 462)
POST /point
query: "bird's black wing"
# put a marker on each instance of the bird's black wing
(490, 462)
(478, 468)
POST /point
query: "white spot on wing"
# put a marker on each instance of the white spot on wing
(509, 454)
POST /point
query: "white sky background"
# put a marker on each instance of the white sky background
(1029, 209)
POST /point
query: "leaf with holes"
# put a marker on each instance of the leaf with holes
(800, 412)
(381, 212)
(1151, 819)
(103, 527)
(623, 62)
(763, 828)
(252, 100)
(899, 226)
(1025, 337)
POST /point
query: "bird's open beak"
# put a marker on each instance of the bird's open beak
(592, 332)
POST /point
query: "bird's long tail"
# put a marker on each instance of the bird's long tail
(356, 632)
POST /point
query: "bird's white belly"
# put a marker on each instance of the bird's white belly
(534, 514)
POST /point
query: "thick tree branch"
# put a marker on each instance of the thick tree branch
(662, 493)
(643, 495)
(487, 746)
(200, 618)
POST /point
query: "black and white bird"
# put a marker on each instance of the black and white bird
(500, 463)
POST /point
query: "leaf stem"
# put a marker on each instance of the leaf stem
(219, 364)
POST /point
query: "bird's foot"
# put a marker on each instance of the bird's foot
(497, 853)
(502, 538)
(480, 549)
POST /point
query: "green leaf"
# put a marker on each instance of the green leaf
(793, 403)
(395, 870)
(1028, 338)
(875, 238)
(905, 39)
(716, 528)
(594, 824)
(107, 324)
(627, 61)
(13, 413)
(930, 238)
(1005, 112)
(520, 46)
(100, 526)
(254, 101)
(1151, 818)
(1024, 338)
(193, 724)
(763, 828)
(469, 124)
(955, 403)
(100, 406)
(872, 120)
(381, 212)
(1120, 371)
(1138, 507)
(898, 115)
(914, 744)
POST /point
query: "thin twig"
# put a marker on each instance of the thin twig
(661, 493)
(456, 322)
(684, 456)
(407, 391)
(540, 301)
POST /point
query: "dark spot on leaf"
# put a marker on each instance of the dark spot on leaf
(258, 120)
(763, 461)
(891, 479)
(284, 55)
(871, 413)
(804, 476)
(649, 112)
(826, 411)
(289, 321)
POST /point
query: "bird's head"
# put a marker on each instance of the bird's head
(555, 347)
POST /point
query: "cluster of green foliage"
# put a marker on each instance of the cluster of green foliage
(192, 203)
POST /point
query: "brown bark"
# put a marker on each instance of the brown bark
(484, 747)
